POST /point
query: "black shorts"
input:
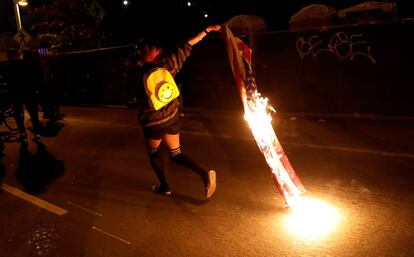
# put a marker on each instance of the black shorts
(158, 133)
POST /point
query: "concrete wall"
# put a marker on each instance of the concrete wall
(350, 69)
(357, 69)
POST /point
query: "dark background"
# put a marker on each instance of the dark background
(322, 84)
(176, 18)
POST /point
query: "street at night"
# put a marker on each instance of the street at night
(205, 128)
(90, 191)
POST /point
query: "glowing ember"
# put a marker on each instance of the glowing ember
(311, 219)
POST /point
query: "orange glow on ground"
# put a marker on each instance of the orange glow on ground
(311, 219)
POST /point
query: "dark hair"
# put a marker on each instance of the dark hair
(143, 47)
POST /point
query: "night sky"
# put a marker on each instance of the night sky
(276, 13)
(178, 19)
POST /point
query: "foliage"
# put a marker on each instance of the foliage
(67, 25)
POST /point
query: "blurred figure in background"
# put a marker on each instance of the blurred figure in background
(24, 79)
(48, 93)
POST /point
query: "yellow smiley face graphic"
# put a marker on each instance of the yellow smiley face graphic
(165, 92)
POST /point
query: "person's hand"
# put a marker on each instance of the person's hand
(213, 28)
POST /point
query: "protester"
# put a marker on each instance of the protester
(49, 95)
(24, 78)
(160, 106)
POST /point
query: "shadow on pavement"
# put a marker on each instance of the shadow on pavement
(52, 129)
(36, 171)
(2, 170)
(2, 166)
(188, 199)
(1, 148)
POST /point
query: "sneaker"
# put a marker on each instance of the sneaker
(161, 191)
(211, 187)
(36, 138)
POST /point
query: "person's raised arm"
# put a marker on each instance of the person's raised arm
(202, 34)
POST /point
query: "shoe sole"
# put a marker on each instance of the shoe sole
(156, 190)
(36, 139)
(212, 183)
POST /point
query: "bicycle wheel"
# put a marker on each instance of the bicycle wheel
(10, 123)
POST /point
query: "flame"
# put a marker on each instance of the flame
(257, 115)
(310, 218)
(260, 121)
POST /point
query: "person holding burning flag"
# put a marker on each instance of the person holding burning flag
(160, 106)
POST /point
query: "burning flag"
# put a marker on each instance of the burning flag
(256, 114)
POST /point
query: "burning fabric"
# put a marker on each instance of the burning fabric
(257, 115)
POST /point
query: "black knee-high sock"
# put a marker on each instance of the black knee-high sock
(182, 159)
(157, 165)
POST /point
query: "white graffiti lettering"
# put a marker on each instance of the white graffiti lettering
(345, 47)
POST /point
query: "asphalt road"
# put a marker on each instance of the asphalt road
(86, 189)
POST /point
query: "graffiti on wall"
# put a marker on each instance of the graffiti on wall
(342, 45)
